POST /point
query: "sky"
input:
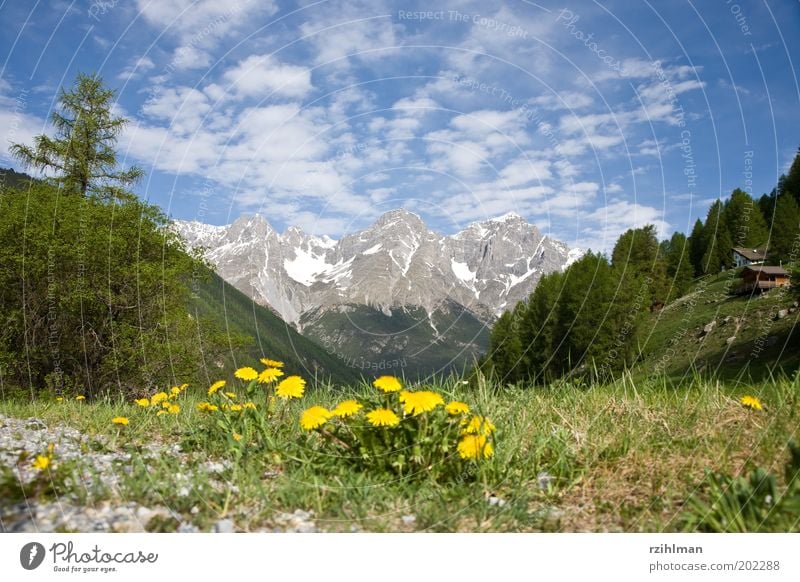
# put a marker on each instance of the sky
(586, 118)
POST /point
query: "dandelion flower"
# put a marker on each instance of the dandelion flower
(269, 375)
(247, 373)
(158, 398)
(143, 402)
(236, 408)
(80, 397)
(215, 386)
(165, 405)
(383, 417)
(41, 462)
(207, 407)
(59, 398)
(751, 402)
(271, 363)
(291, 387)
(230, 394)
(161, 412)
(174, 408)
(456, 407)
(347, 408)
(478, 425)
(250, 405)
(120, 420)
(474, 446)
(418, 402)
(387, 384)
(236, 436)
(314, 417)
(175, 390)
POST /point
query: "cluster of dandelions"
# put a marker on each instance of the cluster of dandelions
(240, 409)
(162, 403)
(403, 430)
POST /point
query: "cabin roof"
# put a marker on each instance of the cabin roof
(758, 254)
(767, 270)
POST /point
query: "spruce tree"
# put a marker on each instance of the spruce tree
(82, 153)
(679, 268)
(785, 230)
(697, 248)
(745, 223)
(717, 239)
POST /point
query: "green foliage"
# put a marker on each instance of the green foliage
(697, 248)
(754, 503)
(82, 153)
(636, 253)
(717, 241)
(680, 271)
(785, 240)
(93, 294)
(745, 223)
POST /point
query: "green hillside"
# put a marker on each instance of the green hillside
(747, 341)
(267, 335)
(405, 342)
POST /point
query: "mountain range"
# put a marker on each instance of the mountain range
(396, 296)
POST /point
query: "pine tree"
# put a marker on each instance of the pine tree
(716, 236)
(697, 248)
(82, 153)
(785, 237)
(679, 268)
(637, 252)
(505, 348)
(791, 182)
(745, 223)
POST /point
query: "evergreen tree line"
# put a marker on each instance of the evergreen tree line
(586, 318)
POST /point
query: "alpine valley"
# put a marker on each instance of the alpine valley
(396, 296)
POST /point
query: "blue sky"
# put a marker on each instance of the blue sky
(587, 118)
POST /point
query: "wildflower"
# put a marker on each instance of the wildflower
(59, 398)
(174, 391)
(383, 417)
(165, 405)
(207, 407)
(41, 462)
(236, 436)
(158, 398)
(80, 397)
(230, 394)
(174, 408)
(478, 425)
(271, 363)
(387, 384)
(215, 386)
(418, 402)
(236, 408)
(473, 446)
(143, 402)
(119, 420)
(161, 412)
(347, 408)
(291, 387)
(751, 402)
(247, 373)
(269, 375)
(183, 387)
(314, 417)
(457, 407)
(250, 405)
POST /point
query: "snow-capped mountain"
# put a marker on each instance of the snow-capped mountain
(397, 262)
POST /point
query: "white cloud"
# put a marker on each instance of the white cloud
(263, 75)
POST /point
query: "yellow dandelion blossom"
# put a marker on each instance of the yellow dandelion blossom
(418, 402)
(236, 408)
(474, 446)
(387, 384)
(207, 407)
(80, 397)
(165, 405)
(250, 405)
(247, 373)
(291, 387)
(456, 407)
(314, 417)
(478, 425)
(271, 363)
(751, 402)
(175, 390)
(183, 387)
(236, 436)
(174, 408)
(143, 402)
(215, 386)
(347, 408)
(269, 375)
(41, 462)
(59, 398)
(158, 398)
(230, 394)
(383, 417)
(161, 412)
(120, 420)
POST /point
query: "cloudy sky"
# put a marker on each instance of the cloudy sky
(587, 118)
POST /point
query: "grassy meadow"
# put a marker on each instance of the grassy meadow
(616, 457)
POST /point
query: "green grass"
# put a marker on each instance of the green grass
(621, 457)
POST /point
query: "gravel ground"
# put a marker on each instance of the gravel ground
(25, 438)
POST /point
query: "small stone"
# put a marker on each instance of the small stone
(709, 327)
(782, 313)
(224, 526)
(545, 480)
(408, 519)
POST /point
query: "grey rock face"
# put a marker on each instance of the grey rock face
(488, 267)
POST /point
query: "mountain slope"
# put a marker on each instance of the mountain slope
(266, 334)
